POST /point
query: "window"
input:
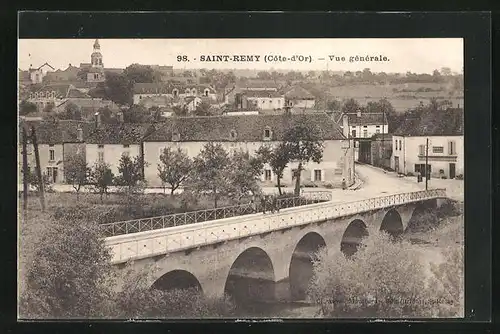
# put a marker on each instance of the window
(175, 92)
(233, 134)
(293, 173)
(267, 175)
(100, 156)
(193, 91)
(100, 146)
(421, 149)
(365, 133)
(377, 126)
(206, 92)
(399, 144)
(176, 136)
(317, 175)
(267, 133)
(52, 174)
(353, 133)
(452, 150)
(437, 149)
(365, 126)
(52, 154)
(126, 146)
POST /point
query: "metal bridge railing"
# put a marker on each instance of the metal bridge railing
(193, 217)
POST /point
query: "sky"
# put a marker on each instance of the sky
(416, 55)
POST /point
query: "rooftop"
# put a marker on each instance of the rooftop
(123, 133)
(249, 128)
(365, 119)
(261, 93)
(61, 131)
(298, 92)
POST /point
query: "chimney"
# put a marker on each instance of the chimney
(345, 125)
(79, 134)
(359, 113)
(69, 64)
(120, 117)
(97, 117)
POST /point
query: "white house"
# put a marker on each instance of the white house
(249, 133)
(56, 94)
(108, 142)
(37, 74)
(437, 135)
(299, 97)
(265, 99)
(171, 91)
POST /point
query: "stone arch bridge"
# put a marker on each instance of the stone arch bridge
(263, 256)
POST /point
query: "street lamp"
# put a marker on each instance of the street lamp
(426, 162)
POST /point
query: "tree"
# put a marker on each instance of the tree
(174, 168)
(137, 114)
(101, 178)
(351, 106)
(436, 73)
(303, 143)
(71, 111)
(311, 74)
(446, 71)
(76, 172)
(211, 171)
(130, 173)
(202, 109)
(277, 158)
(107, 116)
(245, 172)
(26, 108)
(72, 274)
(187, 74)
(118, 88)
(49, 107)
(137, 73)
(180, 111)
(334, 105)
(264, 75)
(32, 179)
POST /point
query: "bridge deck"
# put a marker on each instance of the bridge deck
(156, 242)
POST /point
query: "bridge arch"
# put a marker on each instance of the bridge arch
(351, 239)
(423, 217)
(177, 279)
(251, 278)
(392, 223)
(301, 264)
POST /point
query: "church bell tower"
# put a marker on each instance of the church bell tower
(96, 57)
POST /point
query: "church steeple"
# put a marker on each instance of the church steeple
(96, 57)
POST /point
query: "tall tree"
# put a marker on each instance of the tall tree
(203, 109)
(245, 171)
(351, 106)
(277, 158)
(174, 168)
(76, 172)
(118, 88)
(211, 171)
(101, 178)
(137, 114)
(71, 111)
(303, 143)
(130, 172)
(137, 73)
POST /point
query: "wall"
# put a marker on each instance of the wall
(381, 152)
(268, 102)
(371, 130)
(70, 150)
(409, 154)
(333, 167)
(302, 103)
(112, 154)
(45, 161)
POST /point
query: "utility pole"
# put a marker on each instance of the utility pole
(38, 167)
(426, 161)
(25, 170)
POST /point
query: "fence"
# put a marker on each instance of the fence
(193, 217)
(126, 247)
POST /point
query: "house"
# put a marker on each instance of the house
(256, 85)
(249, 133)
(362, 127)
(58, 76)
(265, 99)
(299, 97)
(55, 94)
(57, 141)
(436, 135)
(146, 90)
(23, 78)
(37, 74)
(108, 142)
(191, 103)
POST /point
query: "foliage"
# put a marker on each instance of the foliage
(137, 114)
(76, 171)
(71, 111)
(245, 171)
(26, 108)
(137, 73)
(107, 116)
(382, 279)
(203, 109)
(350, 106)
(101, 178)
(82, 73)
(459, 177)
(174, 167)
(71, 275)
(130, 173)
(211, 171)
(180, 111)
(277, 158)
(49, 107)
(334, 105)
(303, 143)
(118, 88)
(33, 180)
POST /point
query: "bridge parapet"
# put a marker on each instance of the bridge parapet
(162, 241)
(194, 217)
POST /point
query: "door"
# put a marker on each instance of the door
(452, 171)
(396, 164)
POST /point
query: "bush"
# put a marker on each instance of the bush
(329, 186)
(444, 177)
(410, 174)
(423, 221)
(450, 208)
(459, 177)
(383, 279)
